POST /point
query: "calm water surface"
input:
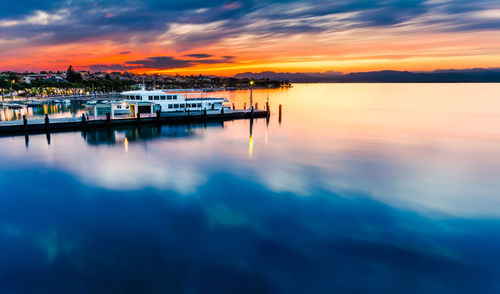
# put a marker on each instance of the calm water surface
(361, 188)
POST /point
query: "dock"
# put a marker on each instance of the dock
(50, 125)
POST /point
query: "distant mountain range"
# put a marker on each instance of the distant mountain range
(475, 75)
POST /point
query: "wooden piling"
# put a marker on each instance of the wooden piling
(25, 123)
(108, 119)
(281, 108)
(245, 106)
(138, 118)
(256, 106)
(47, 122)
(158, 115)
(234, 108)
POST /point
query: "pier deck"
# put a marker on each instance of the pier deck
(20, 127)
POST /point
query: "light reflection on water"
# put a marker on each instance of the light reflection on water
(37, 112)
(360, 188)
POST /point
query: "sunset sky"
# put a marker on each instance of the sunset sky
(225, 38)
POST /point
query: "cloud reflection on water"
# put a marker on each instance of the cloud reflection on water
(398, 147)
(338, 197)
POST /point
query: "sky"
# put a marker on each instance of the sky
(229, 37)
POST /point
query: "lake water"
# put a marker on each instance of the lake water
(387, 188)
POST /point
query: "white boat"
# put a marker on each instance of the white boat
(67, 101)
(143, 101)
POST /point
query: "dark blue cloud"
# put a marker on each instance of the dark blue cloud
(200, 56)
(160, 62)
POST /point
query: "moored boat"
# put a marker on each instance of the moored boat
(144, 101)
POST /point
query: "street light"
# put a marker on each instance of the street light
(251, 94)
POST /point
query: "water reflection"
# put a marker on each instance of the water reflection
(250, 143)
(37, 112)
(130, 135)
(392, 190)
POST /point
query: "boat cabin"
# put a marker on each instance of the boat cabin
(169, 101)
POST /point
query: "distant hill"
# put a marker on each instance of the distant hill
(293, 77)
(476, 75)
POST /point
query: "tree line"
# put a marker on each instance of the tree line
(103, 85)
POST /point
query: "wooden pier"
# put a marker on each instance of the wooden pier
(48, 125)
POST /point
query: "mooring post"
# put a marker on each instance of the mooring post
(267, 107)
(108, 118)
(245, 106)
(252, 111)
(281, 108)
(205, 113)
(25, 123)
(257, 105)
(158, 115)
(222, 111)
(84, 121)
(47, 122)
(138, 117)
(234, 107)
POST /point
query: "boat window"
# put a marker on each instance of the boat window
(150, 97)
(170, 106)
(175, 97)
(157, 97)
(176, 105)
(162, 97)
(137, 97)
(183, 106)
(169, 97)
(199, 104)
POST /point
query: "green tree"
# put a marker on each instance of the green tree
(72, 76)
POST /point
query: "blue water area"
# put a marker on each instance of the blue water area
(248, 207)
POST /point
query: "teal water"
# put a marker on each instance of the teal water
(360, 188)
